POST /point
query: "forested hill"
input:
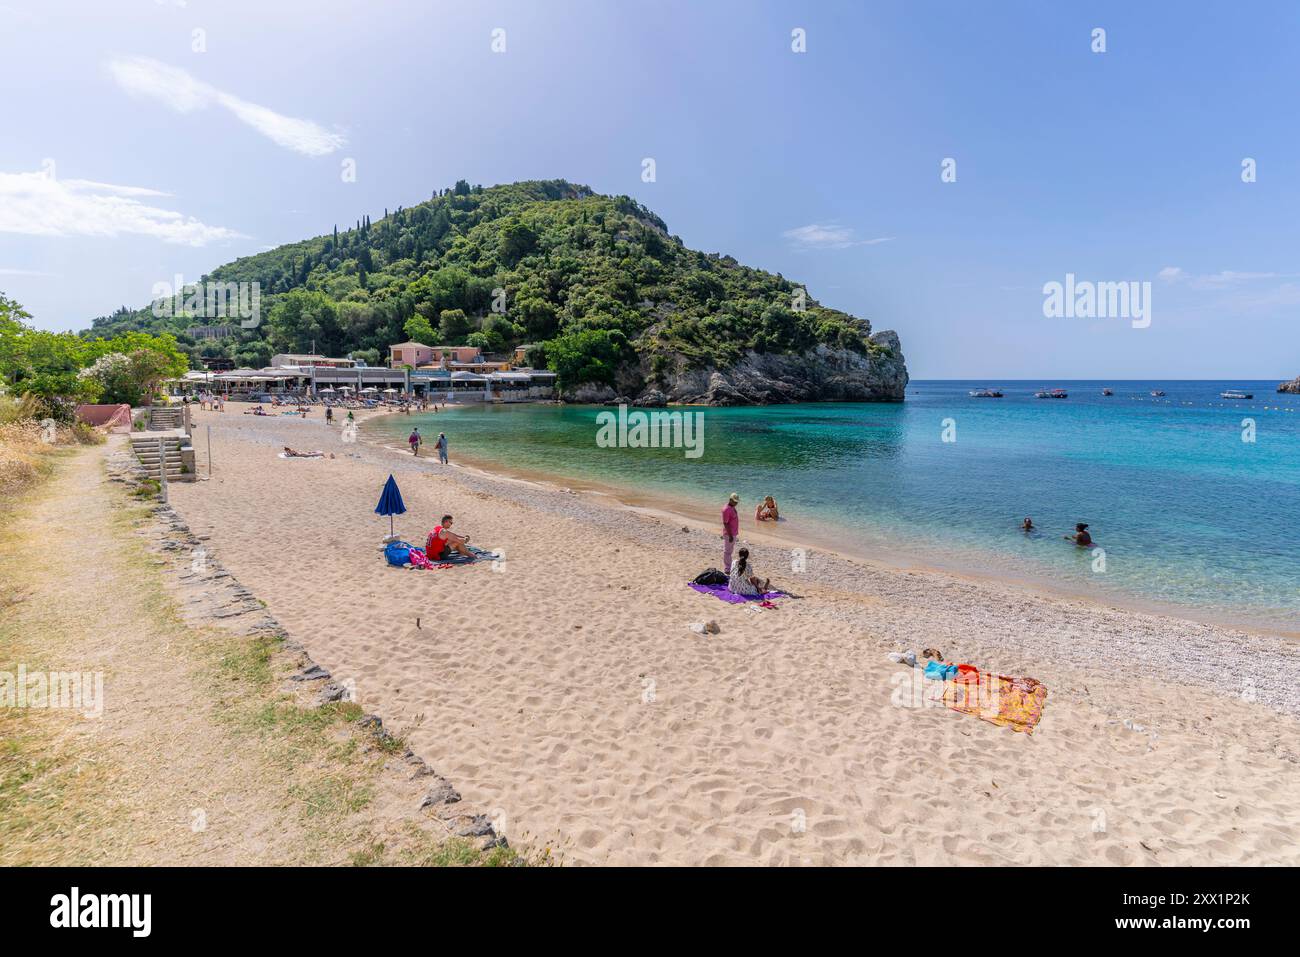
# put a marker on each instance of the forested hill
(606, 297)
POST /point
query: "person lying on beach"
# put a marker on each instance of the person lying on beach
(766, 511)
(1080, 536)
(295, 454)
(743, 581)
(442, 539)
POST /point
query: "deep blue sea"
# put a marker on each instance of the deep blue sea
(1189, 514)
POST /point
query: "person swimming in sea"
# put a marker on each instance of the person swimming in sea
(1080, 536)
(1027, 525)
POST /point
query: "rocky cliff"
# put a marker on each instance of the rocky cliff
(1292, 386)
(823, 374)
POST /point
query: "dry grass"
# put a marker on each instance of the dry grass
(200, 757)
(27, 450)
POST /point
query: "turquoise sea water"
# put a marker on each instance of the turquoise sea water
(1188, 514)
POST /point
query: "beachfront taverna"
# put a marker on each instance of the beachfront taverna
(451, 373)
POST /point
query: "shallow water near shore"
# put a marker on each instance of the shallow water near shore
(1189, 515)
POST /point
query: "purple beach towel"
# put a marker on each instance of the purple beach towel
(730, 597)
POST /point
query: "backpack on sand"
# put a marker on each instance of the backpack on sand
(711, 576)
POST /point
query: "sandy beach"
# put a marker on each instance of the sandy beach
(563, 688)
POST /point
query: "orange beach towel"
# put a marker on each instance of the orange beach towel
(1012, 702)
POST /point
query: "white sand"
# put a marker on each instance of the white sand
(564, 689)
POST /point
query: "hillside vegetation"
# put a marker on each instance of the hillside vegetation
(595, 284)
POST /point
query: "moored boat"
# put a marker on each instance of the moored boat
(1052, 394)
(1235, 394)
(1157, 393)
(1107, 392)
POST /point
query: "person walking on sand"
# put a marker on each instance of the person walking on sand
(730, 529)
(441, 446)
(329, 415)
(415, 441)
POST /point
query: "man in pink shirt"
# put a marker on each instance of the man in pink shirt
(730, 529)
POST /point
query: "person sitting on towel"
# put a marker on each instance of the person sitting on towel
(442, 539)
(743, 581)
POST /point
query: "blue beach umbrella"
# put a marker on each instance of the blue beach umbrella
(390, 502)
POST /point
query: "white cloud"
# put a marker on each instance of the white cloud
(1219, 280)
(814, 236)
(1229, 277)
(23, 272)
(33, 204)
(177, 89)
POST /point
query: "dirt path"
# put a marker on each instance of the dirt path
(195, 755)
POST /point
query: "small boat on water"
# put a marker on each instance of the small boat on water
(1157, 393)
(1052, 394)
(1235, 394)
(1107, 392)
(985, 394)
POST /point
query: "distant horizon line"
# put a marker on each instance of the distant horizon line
(1041, 379)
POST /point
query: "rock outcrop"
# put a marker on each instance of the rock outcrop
(822, 375)
(1292, 386)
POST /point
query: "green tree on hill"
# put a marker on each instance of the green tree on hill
(417, 329)
(453, 326)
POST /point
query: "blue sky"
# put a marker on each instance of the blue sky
(824, 165)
